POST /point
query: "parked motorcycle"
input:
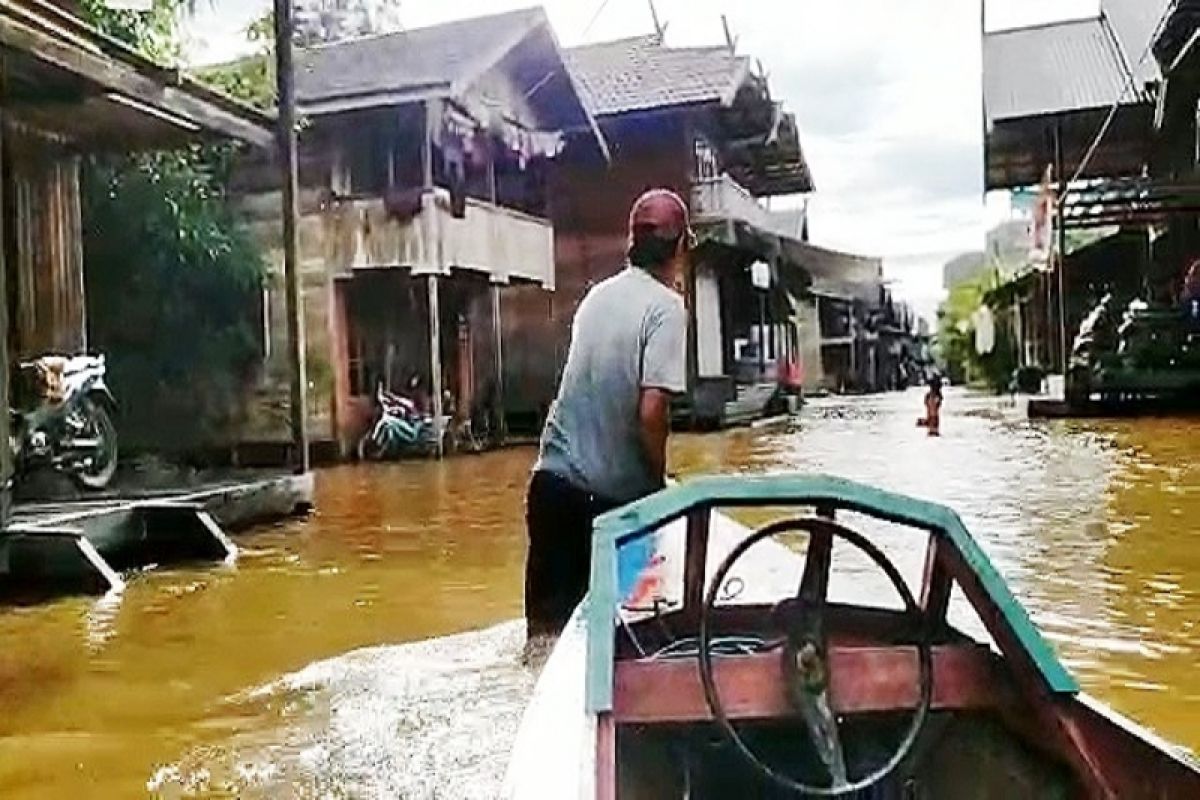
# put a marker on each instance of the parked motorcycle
(62, 418)
(399, 429)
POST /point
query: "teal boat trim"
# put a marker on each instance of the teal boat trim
(646, 516)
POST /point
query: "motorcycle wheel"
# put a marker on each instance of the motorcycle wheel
(99, 424)
(369, 449)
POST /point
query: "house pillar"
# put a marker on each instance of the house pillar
(498, 353)
(693, 332)
(6, 465)
(435, 361)
(1060, 215)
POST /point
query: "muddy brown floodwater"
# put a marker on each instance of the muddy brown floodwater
(370, 650)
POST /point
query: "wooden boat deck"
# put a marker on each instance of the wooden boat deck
(82, 546)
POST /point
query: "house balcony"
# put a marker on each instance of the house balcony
(723, 199)
(421, 234)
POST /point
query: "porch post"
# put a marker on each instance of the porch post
(498, 333)
(1061, 215)
(692, 281)
(762, 333)
(286, 85)
(435, 361)
(853, 346)
(6, 465)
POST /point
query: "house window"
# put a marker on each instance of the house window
(369, 163)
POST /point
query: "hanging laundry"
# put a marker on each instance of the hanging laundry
(546, 144)
(985, 330)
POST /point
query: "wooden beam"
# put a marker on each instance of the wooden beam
(435, 361)
(112, 75)
(937, 584)
(606, 757)
(814, 584)
(862, 680)
(696, 562)
(427, 145)
(498, 334)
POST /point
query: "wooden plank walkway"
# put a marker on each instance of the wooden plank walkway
(82, 546)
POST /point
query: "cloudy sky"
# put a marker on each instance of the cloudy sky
(887, 95)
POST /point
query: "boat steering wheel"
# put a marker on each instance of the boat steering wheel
(801, 621)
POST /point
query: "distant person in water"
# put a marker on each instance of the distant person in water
(932, 420)
(605, 440)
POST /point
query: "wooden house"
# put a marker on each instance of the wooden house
(66, 90)
(425, 169)
(701, 121)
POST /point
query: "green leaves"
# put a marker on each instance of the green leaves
(154, 33)
(174, 286)
(956, 336)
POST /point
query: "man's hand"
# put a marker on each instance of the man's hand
(654, 414)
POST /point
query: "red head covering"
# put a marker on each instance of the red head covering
(663, 212)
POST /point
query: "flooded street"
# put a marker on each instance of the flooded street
(320, 666)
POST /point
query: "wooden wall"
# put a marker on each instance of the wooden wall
(44, 246)
(590, 205)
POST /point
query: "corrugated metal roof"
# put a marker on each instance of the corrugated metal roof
(424, 57)
(1053, 69)
(639, 74)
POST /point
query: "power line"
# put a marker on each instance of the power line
(1130, 81)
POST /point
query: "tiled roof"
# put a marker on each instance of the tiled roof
(411, 60)
(640, 74)
(1053, 69)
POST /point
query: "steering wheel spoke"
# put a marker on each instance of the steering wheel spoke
(800, 622)
(806, 672)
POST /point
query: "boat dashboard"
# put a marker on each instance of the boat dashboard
(750, 682)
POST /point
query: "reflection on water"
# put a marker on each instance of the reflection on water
(236, 681)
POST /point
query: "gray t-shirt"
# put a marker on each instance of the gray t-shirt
(630, 333)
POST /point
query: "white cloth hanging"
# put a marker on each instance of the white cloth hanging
(985, 330)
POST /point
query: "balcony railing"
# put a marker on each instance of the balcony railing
(724, 198)
(503, 244)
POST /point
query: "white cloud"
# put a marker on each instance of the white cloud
(887, 95)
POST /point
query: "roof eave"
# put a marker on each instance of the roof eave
(737, 81)
(69, 45)
(536, 22)
(339, 104)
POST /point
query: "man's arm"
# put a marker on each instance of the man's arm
(664, 374)
(654, 414)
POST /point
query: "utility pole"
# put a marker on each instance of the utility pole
(285, 77)
(6, 454)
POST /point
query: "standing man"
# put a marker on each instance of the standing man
(605, 441)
